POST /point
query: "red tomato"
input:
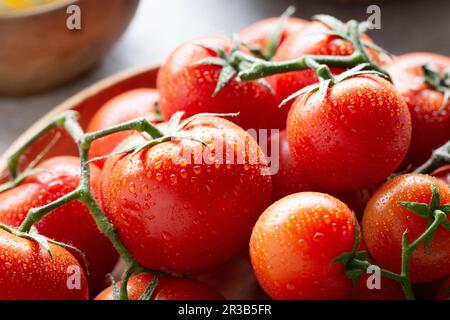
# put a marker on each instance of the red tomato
(235, 280)
(294, 243)
(389, 290)
(186, 86)
(385, 221)
(443, 174)
(355, 138)
(166, 289)
(444, 293)
(27, 272)
(310, 41)
(290, 178)
(124, 107)
(259, 33)
(180, 206)
(430, 121)
(71, 223)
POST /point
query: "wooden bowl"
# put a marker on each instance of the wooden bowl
(38, 51)
(87, 102)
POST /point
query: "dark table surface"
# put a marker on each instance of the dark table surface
(160, 25)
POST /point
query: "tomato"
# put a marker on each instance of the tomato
(444, 292)
(312, 40)
(166, 289)
(259, 33)
(353, 139)
(443, 174)
(189, 87)
(430, 119)
(235, 280)
(72, 223)
(290, 178)
(184, 207)
(385, 221)
(294, 243)
(27, 272)
(124, 107)
(389, 290)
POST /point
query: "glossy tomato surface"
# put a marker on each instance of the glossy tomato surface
(185, 207)
(430, 118)
(187, 86)
(166, 289)
(72, 223)
(385, 221)
(355, 138)
(294, 243)
(137, 103)
(259, 33)
(28, 272)
(312, 40)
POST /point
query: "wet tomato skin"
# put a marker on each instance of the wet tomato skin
(166, 289)
(189, 87)
(28, 272)
(385, 221)
(289, 179)
(311, 40)
(259, 33)
(184, 216)
(355, 138)
(72, 223)
(430, 119)
(294, 242)
(137, 103)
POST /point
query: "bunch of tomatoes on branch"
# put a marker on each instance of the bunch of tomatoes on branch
(169, 180)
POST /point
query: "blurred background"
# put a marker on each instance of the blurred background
(160, 25)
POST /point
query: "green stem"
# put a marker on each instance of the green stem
(260, 68)
(36, 214)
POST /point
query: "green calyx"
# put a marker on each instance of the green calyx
(429, 211)
(174, 129)
(268, 52)
(44, 242)
(356, 263)
(438, 81)
(229, 64)
(326, 79)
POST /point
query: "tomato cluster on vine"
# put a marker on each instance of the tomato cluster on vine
(169, 180)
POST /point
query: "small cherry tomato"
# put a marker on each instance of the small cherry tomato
(354, 138)
(185, 207)
(28, 272)
(71, 223)
(187, 86)
(385, 220)
(166, 289)
(430, 119)
(124, 107)
(259, 33)
(294, 243)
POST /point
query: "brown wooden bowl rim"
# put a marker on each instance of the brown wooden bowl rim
(72, 101)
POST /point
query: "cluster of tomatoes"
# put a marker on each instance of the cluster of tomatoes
(191, 206)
